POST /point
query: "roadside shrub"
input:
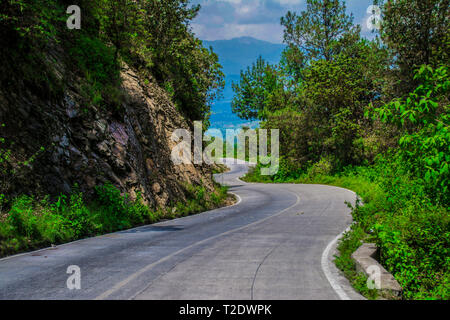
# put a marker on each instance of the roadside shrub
(424, 118)
(415, 247)
(75, 212)
(57, 229)
(322, 168)
(112, 207)
(22, 219)
(30, 223)
(141, 213)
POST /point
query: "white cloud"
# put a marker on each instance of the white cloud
(225, 19)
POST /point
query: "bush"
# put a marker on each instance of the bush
(100, 69)
(31, 224)
(424, 118)
(22, 219)
(93, 56)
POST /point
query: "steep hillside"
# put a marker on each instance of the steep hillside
(99, 103)
(88, 146)
(87, 115)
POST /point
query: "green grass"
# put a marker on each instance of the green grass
(30, 223)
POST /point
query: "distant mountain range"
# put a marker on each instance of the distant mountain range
(235, 55)
(238, 53)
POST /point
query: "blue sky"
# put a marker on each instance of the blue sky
(227, 19)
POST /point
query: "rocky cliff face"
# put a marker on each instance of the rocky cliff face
(86, 145)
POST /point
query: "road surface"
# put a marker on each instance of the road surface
(275, 243)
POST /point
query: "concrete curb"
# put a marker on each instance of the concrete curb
(365, 258)
(336, 277)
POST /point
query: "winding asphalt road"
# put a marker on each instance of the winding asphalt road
(275, 243)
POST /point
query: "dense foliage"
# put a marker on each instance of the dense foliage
(415, 33)
(322, 31)
(39, 53)
(372, 116)
(253, 96)
(31, 223)
(424, 118)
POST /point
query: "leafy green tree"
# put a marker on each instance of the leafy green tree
(176, 58)
(256, 93)
(165, 24)
(119, 22)
(292, 63)
(298, 138)
(321, 31)
(334, 95)
(424, 117)
(324, 82)
(416, 33)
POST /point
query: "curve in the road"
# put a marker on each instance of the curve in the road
(149, 267)
(272, 244)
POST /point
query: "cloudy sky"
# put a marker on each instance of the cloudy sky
(227, 19)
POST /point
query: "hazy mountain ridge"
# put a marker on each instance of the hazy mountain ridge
(238, 53)
(235, 55)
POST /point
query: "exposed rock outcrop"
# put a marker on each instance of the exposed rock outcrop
(86, 145)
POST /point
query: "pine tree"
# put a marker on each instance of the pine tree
(322, 31)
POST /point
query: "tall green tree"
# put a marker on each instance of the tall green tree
(256, 91)
(318, 95)
(320, 32)
(176, 58)
(119, 21)
(416, 33)
(335, 95)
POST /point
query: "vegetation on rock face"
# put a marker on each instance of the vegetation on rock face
(151, 35)
(371, 116)
(32, 223)
(73, 81)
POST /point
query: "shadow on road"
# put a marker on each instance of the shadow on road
(154, 229)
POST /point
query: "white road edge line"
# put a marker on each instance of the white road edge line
(124, 282)
(325, 262)
(327, 268)
(238, 202)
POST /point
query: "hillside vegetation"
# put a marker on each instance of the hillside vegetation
(86, 117)
(371, 116)
(153, 36)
